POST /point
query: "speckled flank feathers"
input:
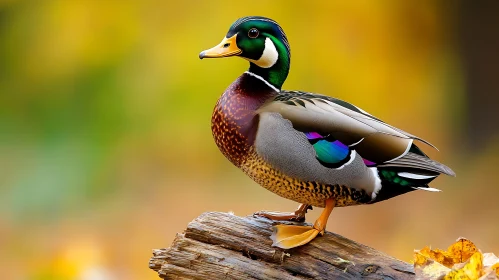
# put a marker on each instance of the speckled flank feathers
(306, 192)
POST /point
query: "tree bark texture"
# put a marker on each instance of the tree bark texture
(223, 246)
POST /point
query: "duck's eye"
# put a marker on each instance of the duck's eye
(253, 33)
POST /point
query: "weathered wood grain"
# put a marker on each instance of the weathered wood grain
(223, 246)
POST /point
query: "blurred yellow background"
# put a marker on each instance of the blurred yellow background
(105, 108)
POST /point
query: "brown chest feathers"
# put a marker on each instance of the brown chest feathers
(229, 137)
(234, 121)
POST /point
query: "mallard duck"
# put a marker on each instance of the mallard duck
(314, 149)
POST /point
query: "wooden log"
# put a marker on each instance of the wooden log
(223, 246)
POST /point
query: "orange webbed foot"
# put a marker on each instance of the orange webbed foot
(291, 236)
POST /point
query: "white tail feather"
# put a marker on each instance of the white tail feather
(427, 189)
(415, 176)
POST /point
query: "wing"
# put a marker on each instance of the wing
(296, 155)
(335, 128)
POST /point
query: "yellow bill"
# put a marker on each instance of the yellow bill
(227, 47)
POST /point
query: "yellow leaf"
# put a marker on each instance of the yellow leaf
(461, 261)
(419, 259)
(459, 252)
(457, 275)
(462, 250)
(496, 268)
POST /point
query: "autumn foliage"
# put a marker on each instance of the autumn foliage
(462, 260)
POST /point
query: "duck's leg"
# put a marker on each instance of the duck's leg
(298, 215)
(290, 236)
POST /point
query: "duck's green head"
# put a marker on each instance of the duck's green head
(262, 42)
